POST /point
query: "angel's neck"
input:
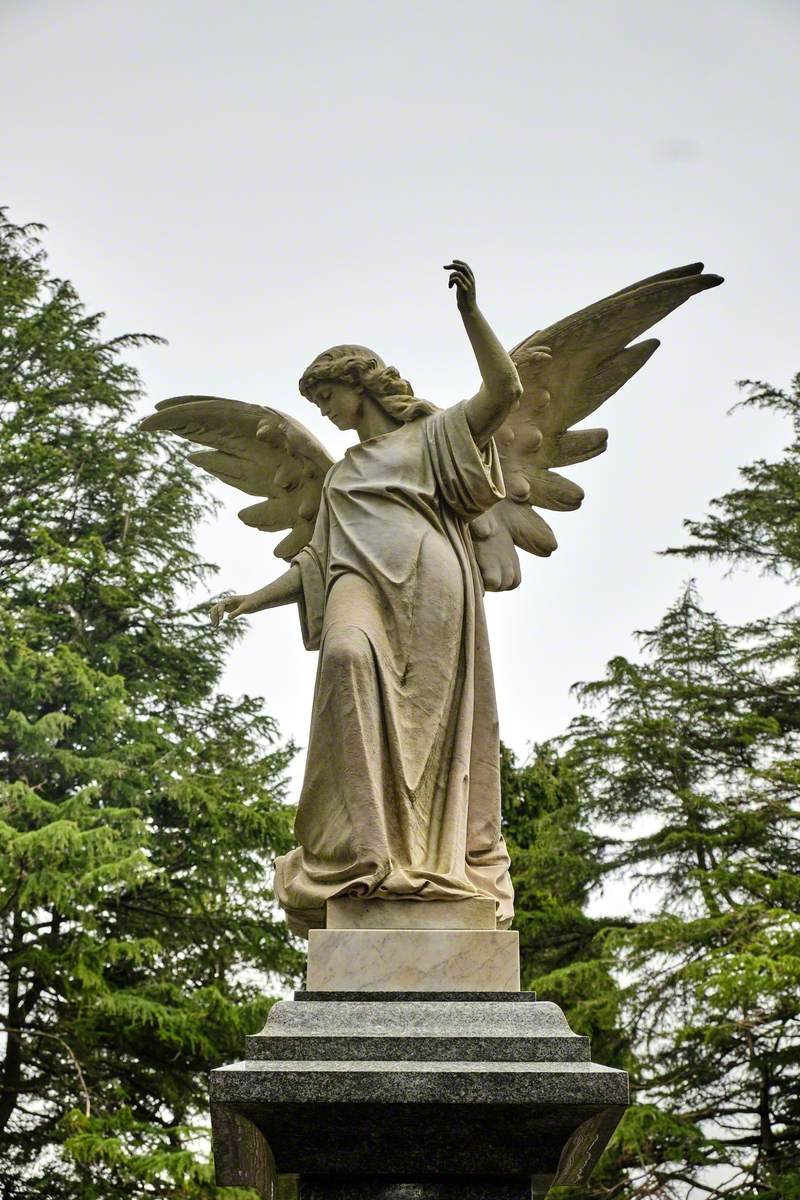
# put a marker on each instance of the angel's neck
(373, 421)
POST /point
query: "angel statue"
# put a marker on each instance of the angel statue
(390, 550)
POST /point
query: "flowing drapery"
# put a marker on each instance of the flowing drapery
(401, 795)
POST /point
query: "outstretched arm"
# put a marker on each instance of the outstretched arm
(286, 589)
(501, 389)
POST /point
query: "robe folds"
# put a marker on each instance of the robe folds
(401, 794)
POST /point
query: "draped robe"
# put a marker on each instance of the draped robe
(401, 794)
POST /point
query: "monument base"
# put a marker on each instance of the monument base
(413, 960)
(377, 1188)
(419, 1098)
(357, 912)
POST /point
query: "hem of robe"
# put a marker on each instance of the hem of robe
(388, 883)
(310, 886)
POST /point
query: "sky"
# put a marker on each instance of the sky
(257, 181)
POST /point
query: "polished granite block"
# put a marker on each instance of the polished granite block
(405, 1099)
(418, 1030)
(456, 1188)
(413, 960)
(441, 1082)
(418, 997)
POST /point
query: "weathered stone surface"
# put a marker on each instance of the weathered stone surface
(413, 960)
(418, 997)
(521, 1107)
(461, 1014)
(409, 1030)
(376, 1188)
(354, 913)
(387, 1081)
(242, 1155)
(401, 793)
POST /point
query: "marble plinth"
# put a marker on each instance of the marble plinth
(355, 913)
(413, 960)
(414, 1100)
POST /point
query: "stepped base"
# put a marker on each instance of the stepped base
(376, 1188)
(413, 1099)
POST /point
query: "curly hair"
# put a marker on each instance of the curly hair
(365, 370)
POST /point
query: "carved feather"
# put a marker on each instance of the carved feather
(551, 490)
(578, 445)
(591, 358)
(258, 450)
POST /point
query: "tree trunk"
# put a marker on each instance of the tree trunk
(12, 1063)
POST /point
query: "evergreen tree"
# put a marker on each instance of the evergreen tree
(556, 865)
(139, 808)
(758, 524)
(695, 756)
(693, 753)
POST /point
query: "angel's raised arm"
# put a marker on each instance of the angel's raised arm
(501, 389)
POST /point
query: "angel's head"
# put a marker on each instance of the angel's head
(341, 379)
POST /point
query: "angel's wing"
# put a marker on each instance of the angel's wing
(590, 360)
(260, 451)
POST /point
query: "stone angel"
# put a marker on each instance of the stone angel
(390, 550)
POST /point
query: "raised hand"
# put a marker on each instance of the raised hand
(463, 280)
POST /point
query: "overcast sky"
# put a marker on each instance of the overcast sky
(257, 181)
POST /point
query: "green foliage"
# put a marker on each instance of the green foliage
(758, 524)
(694, 755)
(139, 808)
(690, 754)
(556, 864)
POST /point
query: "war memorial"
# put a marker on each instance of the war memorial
(412, 1066)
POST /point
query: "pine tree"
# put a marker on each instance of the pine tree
(694, 759)
(139, 808)
(758, 525)
(692, 751)
(556, 864)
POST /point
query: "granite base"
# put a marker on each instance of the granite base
(413, 1100)
(377, 1188)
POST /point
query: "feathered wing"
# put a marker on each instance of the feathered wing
(259, 450)
(590, 359)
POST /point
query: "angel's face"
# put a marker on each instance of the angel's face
(339, 402)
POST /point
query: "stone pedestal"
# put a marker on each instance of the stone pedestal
(413, 960)
(412, 1069)
(351, 912)
(413, 1096)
